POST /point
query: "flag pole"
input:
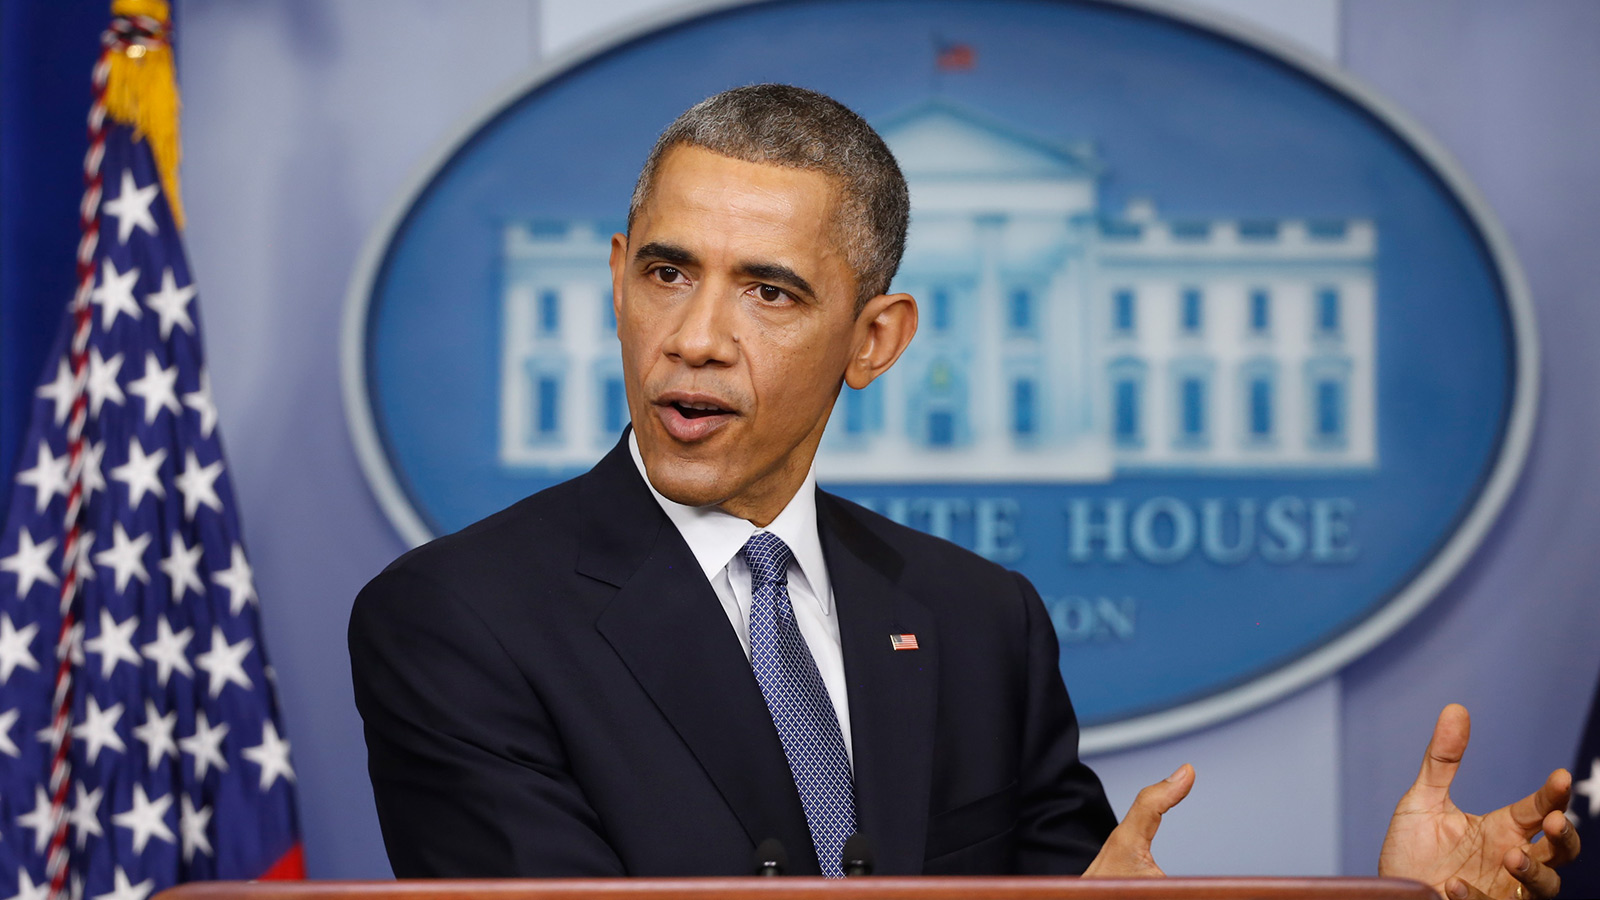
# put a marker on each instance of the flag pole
(138, 28)
(178, 657)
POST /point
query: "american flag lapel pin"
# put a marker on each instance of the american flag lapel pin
(903, 641)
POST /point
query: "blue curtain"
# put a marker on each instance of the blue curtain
(47, 49)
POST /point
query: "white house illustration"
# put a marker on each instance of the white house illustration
(1055, 343)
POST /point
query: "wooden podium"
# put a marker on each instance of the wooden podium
(869, 888)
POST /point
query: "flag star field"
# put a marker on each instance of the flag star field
(180, 766)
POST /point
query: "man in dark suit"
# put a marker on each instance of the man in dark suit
(654, 668)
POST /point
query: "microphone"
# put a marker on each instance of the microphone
(857, 855)
(770, 858)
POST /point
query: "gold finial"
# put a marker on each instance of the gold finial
(155, 9)
(142, 91)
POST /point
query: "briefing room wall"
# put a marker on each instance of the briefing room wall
(1508, 88)
(304, 122)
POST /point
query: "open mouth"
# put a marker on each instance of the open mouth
(692, 418)
(698, 410)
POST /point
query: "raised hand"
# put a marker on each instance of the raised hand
(1126, 853)
(1470, 857)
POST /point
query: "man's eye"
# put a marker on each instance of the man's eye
(769, 293)
(668, 274)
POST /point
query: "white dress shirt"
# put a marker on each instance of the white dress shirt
(716, 537)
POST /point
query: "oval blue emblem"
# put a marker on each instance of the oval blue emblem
(1217, 348)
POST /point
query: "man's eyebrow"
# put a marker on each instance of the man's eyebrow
(667, 253)
(777, 274)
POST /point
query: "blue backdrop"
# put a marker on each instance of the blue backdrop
(1206, 126)
(47, 50)
(305, 118)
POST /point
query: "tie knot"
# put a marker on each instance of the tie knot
(767, 556)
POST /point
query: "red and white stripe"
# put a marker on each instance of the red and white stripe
(124, 31)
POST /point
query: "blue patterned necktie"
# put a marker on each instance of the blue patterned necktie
(799, 703)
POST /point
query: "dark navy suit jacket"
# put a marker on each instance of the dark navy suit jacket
(555, 691)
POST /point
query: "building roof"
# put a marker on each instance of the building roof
(942, 139)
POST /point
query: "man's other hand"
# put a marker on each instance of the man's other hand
(1478, 857)
(1126, 853)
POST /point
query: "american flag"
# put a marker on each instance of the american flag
(958, 57)
(903, 641)
(1582, 878)
(140, 741)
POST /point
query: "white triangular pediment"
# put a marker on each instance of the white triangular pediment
(941, 140)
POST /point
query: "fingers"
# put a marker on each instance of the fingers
(1126, 853)
(1560, 844)
(1456, 889)
(1538, 880)
(1530, 812)
(1144, 816)
(1527, 864)
(1445, 749)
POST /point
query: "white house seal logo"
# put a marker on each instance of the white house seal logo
(1216, 348)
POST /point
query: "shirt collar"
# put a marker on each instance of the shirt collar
(715, 537)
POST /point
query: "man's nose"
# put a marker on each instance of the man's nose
(704, 334)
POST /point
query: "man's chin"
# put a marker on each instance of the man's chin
(688, 481)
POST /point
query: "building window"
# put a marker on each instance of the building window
(1260, 311)
(1021, 309)
(1122, 312)
(1127, 378)
(616, 405)
(1023, 407)
(1260, 402)
(939, 408)
(1328, 381)
(1258, 230)
(1330, 411)
(1127, 413)
(1191, 311)
(549, 312)
(1327, 230)
(548, 398)
(1328, 311)
(1258, 385)
(1120, 230)
(1192, 404)
(941, 309)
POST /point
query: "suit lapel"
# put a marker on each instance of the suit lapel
(670, 631)
(892, 692)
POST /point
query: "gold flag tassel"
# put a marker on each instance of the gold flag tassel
(142, 87)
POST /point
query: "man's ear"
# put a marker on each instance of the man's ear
(884, 329)
(619, 264)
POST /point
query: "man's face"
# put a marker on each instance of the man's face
(736, 312)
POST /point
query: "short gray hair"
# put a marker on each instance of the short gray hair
(790, 126)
